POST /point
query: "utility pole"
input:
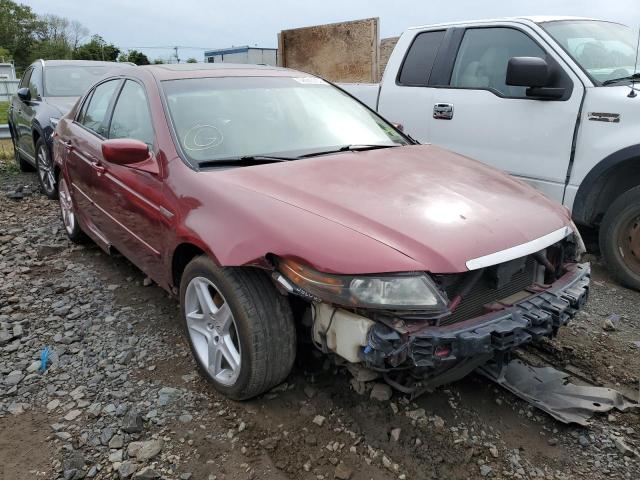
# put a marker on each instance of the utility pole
(176, 54)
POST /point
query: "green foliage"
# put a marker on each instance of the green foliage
(134, 56)
(17, 26)
(5, 55)
(97, 49)
(158, 61)
(192, 60)
(4, 107)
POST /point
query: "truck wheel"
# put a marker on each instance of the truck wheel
(22, 163)
(240, 329)
(620, 238)
(46, 173)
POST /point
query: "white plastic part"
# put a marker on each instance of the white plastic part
(345, 334)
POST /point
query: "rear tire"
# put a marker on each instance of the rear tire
(620, 238)
(45, 170)
(259, 332)
(68, 212)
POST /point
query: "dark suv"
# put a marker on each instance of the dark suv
(47, 91)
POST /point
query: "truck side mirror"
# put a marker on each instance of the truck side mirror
(24, 94)
(532, 72)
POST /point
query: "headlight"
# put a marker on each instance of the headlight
(393, 292)
(54, 122)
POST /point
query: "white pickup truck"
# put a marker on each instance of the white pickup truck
(550, 100)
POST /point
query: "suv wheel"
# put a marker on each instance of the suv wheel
(44, 167)
(240, 329)
(620, 238)
(22, 163)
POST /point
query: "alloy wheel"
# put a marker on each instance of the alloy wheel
(45, 171)
(212, 330)
(66, 205)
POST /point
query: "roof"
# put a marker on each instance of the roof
(82, 63)
(531, 18)
(230, 50)
(174, 71)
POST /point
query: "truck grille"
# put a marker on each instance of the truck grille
(484, 293)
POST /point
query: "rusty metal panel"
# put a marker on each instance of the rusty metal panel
(339, 52)
(386, 47)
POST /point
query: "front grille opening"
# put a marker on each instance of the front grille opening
(491, 287)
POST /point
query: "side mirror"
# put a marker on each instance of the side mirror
(125, 151)
(24, 94)
(527, 72)
(532, 72)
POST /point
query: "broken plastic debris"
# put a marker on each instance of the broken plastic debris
(45, 357)
(549, 390)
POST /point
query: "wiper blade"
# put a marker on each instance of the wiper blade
(348, 148)
(635, 76)
(244, 160)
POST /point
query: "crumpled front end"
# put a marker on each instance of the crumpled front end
(489, 312)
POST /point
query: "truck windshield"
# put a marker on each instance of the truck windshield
(70, 80)
(605, 50)
(237, 117)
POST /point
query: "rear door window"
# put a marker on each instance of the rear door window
(96, 111)
(417, 65)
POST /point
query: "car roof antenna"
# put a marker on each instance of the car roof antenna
(632, 93)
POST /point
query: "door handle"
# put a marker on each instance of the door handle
(100, 169)
(443, 111)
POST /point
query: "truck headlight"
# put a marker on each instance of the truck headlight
(403, 291)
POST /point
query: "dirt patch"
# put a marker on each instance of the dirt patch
(25, 450)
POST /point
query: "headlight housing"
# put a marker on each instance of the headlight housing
(405, 291)
(54, 122)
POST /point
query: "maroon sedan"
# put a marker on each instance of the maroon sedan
(272, 202)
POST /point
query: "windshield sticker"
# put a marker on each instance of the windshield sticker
(310, 80)
(203, 137)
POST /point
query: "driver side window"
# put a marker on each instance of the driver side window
(483, 57)
(131, 117)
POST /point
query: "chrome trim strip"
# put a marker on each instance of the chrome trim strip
(519, 250)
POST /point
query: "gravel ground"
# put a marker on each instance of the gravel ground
(121, 398)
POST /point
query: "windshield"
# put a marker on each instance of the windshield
(605, 50)
(70, 81)
(231, 117)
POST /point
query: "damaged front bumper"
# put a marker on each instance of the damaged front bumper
(506, 328)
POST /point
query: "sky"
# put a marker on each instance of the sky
(213, 24)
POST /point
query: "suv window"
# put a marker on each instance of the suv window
(35, 83)
(25, 78)
(94, 115)
(483, 57)
(131, 117)
(417, 65)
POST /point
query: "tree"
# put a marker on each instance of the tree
(159, 61)
(5, 56)
(97, 49)
(192, 60)
(134, 56)
(17, 24)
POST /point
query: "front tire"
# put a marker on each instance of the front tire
(620, 238)
(240, 329)
(45, 169)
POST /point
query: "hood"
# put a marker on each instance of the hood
(436, 207)
(63, 104)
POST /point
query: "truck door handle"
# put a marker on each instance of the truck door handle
(443, 111)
